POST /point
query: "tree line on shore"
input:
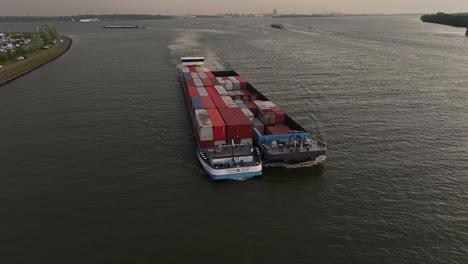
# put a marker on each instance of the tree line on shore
(456, 20)
(44, 36)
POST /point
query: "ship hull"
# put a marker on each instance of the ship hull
(293, 157)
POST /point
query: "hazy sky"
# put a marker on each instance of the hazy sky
(72, 7)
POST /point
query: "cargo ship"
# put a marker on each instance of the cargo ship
(280, 139)
(223, 133)
(126, 27)
(277, 25)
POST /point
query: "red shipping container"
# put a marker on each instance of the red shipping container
(207, 82)
(252, 107)
(243, 83)
(189, 82)
(279, 115)
(218, 101)
(214, 81)
(193, 91)
(219, 127)
(245, 127)
(238, 126)
(209, 74)
(206, 144)
(191, 69)
(211, 91)
(231, 123)
(277, 130)
(207, 102)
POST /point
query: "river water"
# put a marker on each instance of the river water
(97, 160)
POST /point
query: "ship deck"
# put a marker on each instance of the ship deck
(228, 151)
(285, 146)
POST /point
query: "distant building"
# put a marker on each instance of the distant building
(274, 12)
(2, 35)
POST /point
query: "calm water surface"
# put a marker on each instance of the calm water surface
(97, 159)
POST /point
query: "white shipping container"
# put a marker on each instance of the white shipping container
(239, 92)
(228, 85)
(204, 125)
(229, 102)
(235, 83)
(205, 69)
(249, 115)
(202, 75)
(270, 104)
(202, 91)
(185, 69)
(195, 75)
(220, 89)
(260, 104)
(198, 82)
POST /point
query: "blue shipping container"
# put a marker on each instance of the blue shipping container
(187, 75)
(197, 103)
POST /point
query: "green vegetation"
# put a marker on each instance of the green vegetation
(4, 19)
(45, 36)
(456, 20)
(34, 52)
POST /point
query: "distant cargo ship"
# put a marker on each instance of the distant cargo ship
(234, 122)
(139, 26)
(277, 25)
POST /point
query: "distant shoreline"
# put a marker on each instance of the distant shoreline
(14, 71)
(454, 20)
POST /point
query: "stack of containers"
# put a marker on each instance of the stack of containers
(229, 102)
(219, 127)
(233, 95)
(219, 118)
(235, 83)
(279, 115)
(197, 103)
(208, 102)
(198, 82)
(202, 91)
(221, 91)
(265, 113)
(252, 107)
(204, 128)
(242, 82)
(249, 115)
(238, 126)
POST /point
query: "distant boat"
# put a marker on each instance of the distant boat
(466, 33)
(277, 25)
(139, 26)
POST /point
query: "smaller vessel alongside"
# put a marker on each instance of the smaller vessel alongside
(277, 25)
(127, 27)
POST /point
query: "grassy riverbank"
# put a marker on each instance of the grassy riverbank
(35, 59)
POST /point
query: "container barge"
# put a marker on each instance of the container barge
(223, 133)
(251, 121)
(126, 27)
